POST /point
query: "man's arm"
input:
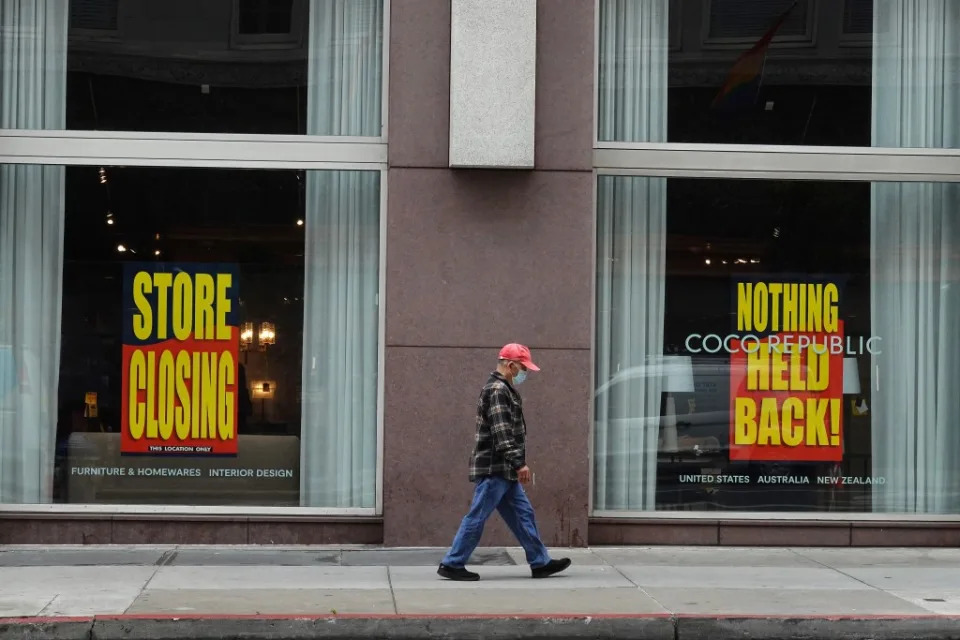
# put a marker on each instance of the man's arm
(500, 415)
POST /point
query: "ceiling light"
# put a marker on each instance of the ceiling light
(121, 248)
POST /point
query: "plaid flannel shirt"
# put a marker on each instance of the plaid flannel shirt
(500, 441)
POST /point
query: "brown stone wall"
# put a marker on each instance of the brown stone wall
(476, 259)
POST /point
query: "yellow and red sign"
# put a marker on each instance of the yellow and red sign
(180, 360)
(786, 377)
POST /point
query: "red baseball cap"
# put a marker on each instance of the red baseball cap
(518, 353)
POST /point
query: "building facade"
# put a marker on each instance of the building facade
(257, 258)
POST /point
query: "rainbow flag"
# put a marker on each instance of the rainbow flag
(743, 81)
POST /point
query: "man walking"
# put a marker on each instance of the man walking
(499, 468)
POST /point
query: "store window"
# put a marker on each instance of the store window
(777, 345)
(838, 73)
(202, 66)
(189, 336)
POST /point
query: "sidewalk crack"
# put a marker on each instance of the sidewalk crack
(393, 594)
(836, 570)
(143, 588)
(43, 611)
(639, 588)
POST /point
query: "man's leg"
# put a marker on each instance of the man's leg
(517, 512)
(486, 497)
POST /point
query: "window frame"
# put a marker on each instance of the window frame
(211, 151)
(191, 137)
(228, 151)
(749, 162)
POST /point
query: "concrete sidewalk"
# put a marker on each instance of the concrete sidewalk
(376, 592)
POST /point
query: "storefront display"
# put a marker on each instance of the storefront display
(228, 291)
(795, 348)
(176, 333)
(187, 365)
(802, 361)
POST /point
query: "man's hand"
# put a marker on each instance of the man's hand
(524, 474)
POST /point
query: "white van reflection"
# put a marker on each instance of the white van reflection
(678, 407)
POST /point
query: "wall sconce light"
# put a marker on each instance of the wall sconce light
(268, 335)
(263, 389)
(246, 335)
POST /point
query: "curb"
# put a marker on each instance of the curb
(46, 629)
(484, 627)
(822, 628)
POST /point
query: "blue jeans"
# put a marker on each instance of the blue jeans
(509, 498)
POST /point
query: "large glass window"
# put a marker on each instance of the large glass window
(211, 66)
(843, 72)
(775, 345)
(189, 336)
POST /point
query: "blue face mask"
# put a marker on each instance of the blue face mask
(520, 377)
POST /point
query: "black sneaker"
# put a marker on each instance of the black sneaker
(461, 574)
(552, 567)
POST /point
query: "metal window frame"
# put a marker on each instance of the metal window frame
(795, 516)
(192, 512)
(227, 151)
(757, 162)
(748, 162)
(190, 150)
(781, 162)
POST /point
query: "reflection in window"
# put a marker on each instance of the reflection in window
(758, 76)
(265, 16)
(236, 66)
(100, 15)
(858, 17)
(687, 419)
(739, 20)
